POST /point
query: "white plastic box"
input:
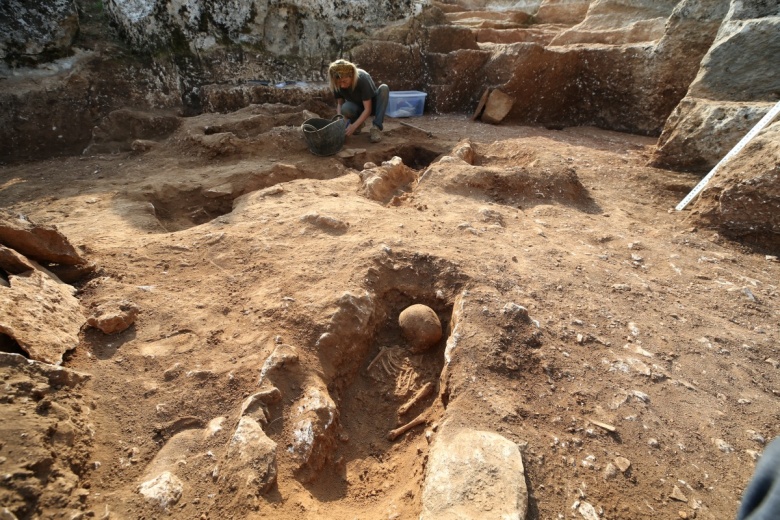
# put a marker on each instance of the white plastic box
(406, 103)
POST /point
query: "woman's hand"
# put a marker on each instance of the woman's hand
(351, 129)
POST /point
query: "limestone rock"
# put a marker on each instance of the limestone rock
(497, 107)
(622, 463)
(256, 405)
(45, 423)
(349, 331)
(420, 326)
(587, 511)
(464, 150)
(165, 489)
(382, 182)
(614, 21)
(250, 463)
(114, 316)
(38, 242)
(742, 200)
(300, 27)
(314, 425)
(562, 11)
(32, 31)
(14, 263)
(473, 474)
(730, 93)
(699, 132)
(282, 355)
(678, 495)
(41, 315)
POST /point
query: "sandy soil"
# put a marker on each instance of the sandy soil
(656, 342)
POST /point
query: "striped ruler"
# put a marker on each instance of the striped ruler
(734, 151)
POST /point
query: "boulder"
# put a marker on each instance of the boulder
(164, 490)
(250, 462)
(497, 107)
(314, 430)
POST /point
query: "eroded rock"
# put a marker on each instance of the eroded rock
(742, 201)
(113, 317)
(729, 94)
(380, 183)
(41, 315)
(250, 462)
(38, 242)
(45, 425)
(314, 419)
(32, 31)
(165, 489)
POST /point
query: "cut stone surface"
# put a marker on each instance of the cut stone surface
(497, 107)
(474, 474)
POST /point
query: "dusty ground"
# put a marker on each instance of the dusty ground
(666, 333)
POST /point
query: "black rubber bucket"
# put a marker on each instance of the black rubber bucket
(324, 136)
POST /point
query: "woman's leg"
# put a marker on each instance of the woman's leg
(350, 110)
(380, 105)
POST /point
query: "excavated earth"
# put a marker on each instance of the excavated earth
(631, 357)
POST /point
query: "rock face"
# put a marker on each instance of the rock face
(302, 31)
(734, 88)
(32, 32)
(743, 201)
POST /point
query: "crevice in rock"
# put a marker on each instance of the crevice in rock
(11, 346)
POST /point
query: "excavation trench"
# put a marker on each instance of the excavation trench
(387, 394)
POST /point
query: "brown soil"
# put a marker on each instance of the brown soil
(664, 333)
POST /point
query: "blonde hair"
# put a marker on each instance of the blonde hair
(340, 69)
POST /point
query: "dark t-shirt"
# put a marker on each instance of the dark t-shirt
(364, 89)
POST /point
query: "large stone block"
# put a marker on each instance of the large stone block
(497, 107)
